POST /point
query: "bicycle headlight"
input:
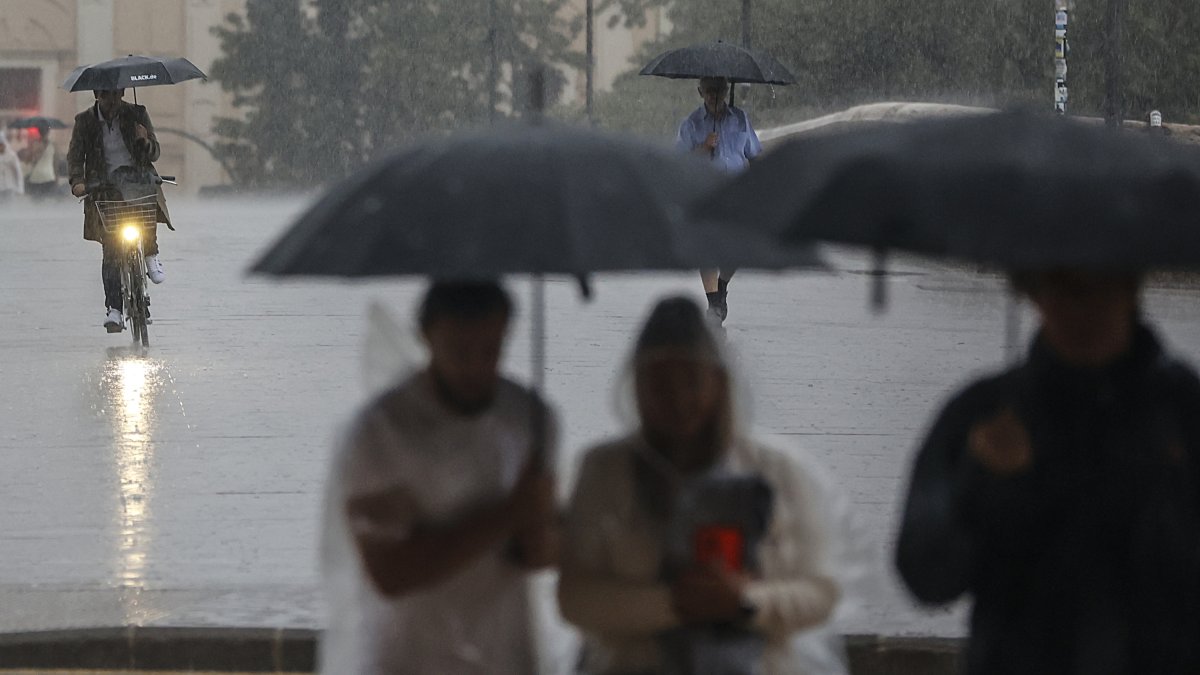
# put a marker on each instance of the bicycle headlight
(131, 232)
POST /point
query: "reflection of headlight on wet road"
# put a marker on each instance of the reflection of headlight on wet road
(133, 384)
(131, 232)
(133, 380)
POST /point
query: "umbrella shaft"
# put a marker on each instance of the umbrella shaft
(1061, 18)
(1012, 327)
(537, 344)
(745, 28)
(537, 328)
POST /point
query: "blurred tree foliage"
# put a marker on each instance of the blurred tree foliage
(989, 52)
(326, 85)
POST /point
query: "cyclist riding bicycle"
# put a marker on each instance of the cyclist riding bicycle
(109, 139)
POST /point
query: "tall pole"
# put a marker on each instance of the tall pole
(590, 68)
(1114, 17)
(1061, 16)
(494, 64)
(746, 23)
(745, 42)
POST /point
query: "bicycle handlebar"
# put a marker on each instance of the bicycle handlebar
(158, 180)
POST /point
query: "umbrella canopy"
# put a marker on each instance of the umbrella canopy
(132, 71)
(719, 59)
(37, 123)
(530, 198)
(541, 199)
(1018, 190)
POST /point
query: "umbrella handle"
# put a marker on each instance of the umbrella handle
(879, 281)
(585, 287)
(1012, 326)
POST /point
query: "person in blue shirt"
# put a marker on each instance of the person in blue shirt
(723, 133)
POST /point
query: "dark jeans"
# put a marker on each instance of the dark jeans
(110, 264)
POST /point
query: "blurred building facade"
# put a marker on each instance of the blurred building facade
(616, 46)
(42, 41)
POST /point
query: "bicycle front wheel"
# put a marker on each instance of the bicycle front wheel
(139, 305)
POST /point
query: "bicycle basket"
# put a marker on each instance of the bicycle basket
(141, 212)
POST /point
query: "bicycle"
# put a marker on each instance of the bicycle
(124, 221)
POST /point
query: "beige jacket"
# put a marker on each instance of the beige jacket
(609, 586)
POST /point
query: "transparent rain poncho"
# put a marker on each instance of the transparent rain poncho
(818, 517)
(394, 352)
(392, 355)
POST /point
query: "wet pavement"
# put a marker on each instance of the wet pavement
(181, 486)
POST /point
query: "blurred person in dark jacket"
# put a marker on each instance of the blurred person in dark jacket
(1063, 496)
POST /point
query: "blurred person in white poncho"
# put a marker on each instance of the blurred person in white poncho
(12, 180)
(749, 592)
(41, 177)
(439, 507)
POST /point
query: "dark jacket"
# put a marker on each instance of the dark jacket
(85, 158)
(1065, 501)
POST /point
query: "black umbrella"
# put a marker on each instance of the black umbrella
(719, 59)
(543, 199)
(539, 199)
(37, 123)
(132, 71)
(1017, 190)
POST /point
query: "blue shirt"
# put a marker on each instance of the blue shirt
(737, 143)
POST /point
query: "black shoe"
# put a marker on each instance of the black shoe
(718, 306)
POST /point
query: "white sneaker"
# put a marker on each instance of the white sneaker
(154, 269)
(113, 321)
